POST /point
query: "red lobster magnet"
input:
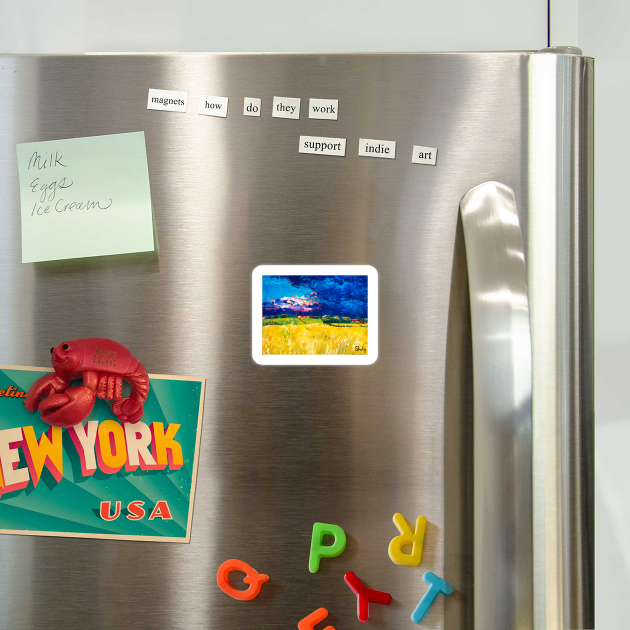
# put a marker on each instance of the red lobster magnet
(103, 364)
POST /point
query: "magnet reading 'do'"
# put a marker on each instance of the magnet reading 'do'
(315, 315)
(102, 364)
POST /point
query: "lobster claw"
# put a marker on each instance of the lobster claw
(128, 410)
(43, 386)
(68, 408)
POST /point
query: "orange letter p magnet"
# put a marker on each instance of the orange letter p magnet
(252, 577)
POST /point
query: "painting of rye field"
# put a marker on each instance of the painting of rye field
(315, 315)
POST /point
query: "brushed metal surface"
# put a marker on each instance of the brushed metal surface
(281, 447)
(502, 369)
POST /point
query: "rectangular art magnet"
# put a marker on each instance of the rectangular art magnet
(101, 478)
(315, 315)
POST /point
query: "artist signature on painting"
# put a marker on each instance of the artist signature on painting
(360, 349)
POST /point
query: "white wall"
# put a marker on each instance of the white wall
(604, 29)
(259, 25)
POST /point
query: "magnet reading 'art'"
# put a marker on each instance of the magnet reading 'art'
(252, 577)
(102, 364)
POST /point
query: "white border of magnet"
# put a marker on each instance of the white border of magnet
(314, 270)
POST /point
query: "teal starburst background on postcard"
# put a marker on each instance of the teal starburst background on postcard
(72, 505)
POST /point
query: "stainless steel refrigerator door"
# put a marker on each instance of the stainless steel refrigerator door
(282, 447)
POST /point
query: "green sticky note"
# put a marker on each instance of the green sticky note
(85, 197)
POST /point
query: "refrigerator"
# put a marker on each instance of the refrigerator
(476, 410)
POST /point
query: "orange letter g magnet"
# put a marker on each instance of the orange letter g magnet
(252, 577)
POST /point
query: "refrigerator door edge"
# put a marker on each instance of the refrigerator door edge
(558, 209)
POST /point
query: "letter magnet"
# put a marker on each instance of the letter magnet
(252, 577)
(407, 537)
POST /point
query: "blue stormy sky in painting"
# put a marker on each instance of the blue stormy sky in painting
(344, 296)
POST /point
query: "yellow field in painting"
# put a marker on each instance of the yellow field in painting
(315, 339)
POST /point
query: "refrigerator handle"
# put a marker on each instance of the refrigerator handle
(502, 374)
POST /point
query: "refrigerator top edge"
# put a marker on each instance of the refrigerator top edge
(467, 53)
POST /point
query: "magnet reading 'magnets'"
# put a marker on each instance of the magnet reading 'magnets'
(103, 364)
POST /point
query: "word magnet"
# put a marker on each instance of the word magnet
(323, 108)
(407, 537)
(319, 550)
(252, 577)
(365, 595)
(285, 107)
(167, 100)
(322, 146)
(213, 105)
(377, 148)
(251, 106)
(424, 155)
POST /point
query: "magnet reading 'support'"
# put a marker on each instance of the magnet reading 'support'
(103, 364)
